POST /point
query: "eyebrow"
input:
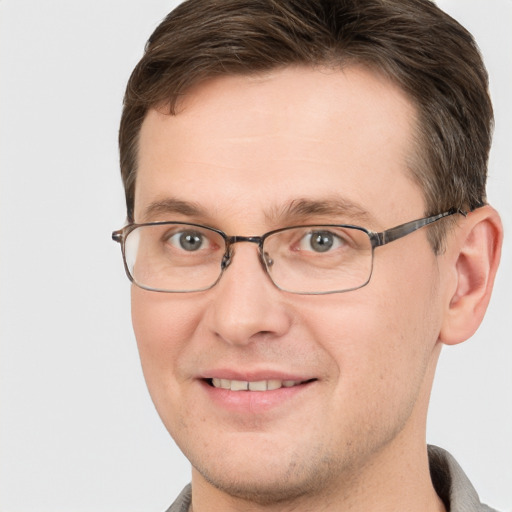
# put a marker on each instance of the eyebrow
(170, 206)
(292, 212)
(300, 210)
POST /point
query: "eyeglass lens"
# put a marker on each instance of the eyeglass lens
(310, 259)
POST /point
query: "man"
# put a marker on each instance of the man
(307, 226)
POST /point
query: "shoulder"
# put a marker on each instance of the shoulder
(451, 483)
(182, 502)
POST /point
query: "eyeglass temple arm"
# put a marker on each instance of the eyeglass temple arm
(384, 237)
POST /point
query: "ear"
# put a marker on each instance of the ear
(473, 254)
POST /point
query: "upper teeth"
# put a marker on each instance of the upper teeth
(260, 385)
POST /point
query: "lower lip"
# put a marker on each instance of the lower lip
(254, 402)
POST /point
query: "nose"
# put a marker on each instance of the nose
(245, 305)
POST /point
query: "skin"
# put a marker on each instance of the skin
(241, 148)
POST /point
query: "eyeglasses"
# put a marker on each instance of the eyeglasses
(179, 257)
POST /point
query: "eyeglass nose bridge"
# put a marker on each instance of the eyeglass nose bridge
(231, 240)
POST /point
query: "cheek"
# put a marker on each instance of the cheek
(381, 337)
(162, 326)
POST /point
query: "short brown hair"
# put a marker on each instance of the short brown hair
(415, 44)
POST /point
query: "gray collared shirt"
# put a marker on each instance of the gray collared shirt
(450, 482)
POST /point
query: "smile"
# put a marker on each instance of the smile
(260, 385)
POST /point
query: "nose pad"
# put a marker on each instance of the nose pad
(267, 260)
(226, 260)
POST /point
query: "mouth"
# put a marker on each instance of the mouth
(259, 385)
(259, 394)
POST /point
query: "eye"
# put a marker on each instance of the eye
(320, 241)
(189, 240)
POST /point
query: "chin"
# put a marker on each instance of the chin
(263, 491)
(266, 480)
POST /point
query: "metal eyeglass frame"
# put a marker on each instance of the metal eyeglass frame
(377, 239)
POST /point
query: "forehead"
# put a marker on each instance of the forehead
(258, 143)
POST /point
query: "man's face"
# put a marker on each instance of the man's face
(240, 153)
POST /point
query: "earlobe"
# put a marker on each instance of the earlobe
(475, 256)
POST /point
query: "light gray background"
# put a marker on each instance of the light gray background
(78, 430)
